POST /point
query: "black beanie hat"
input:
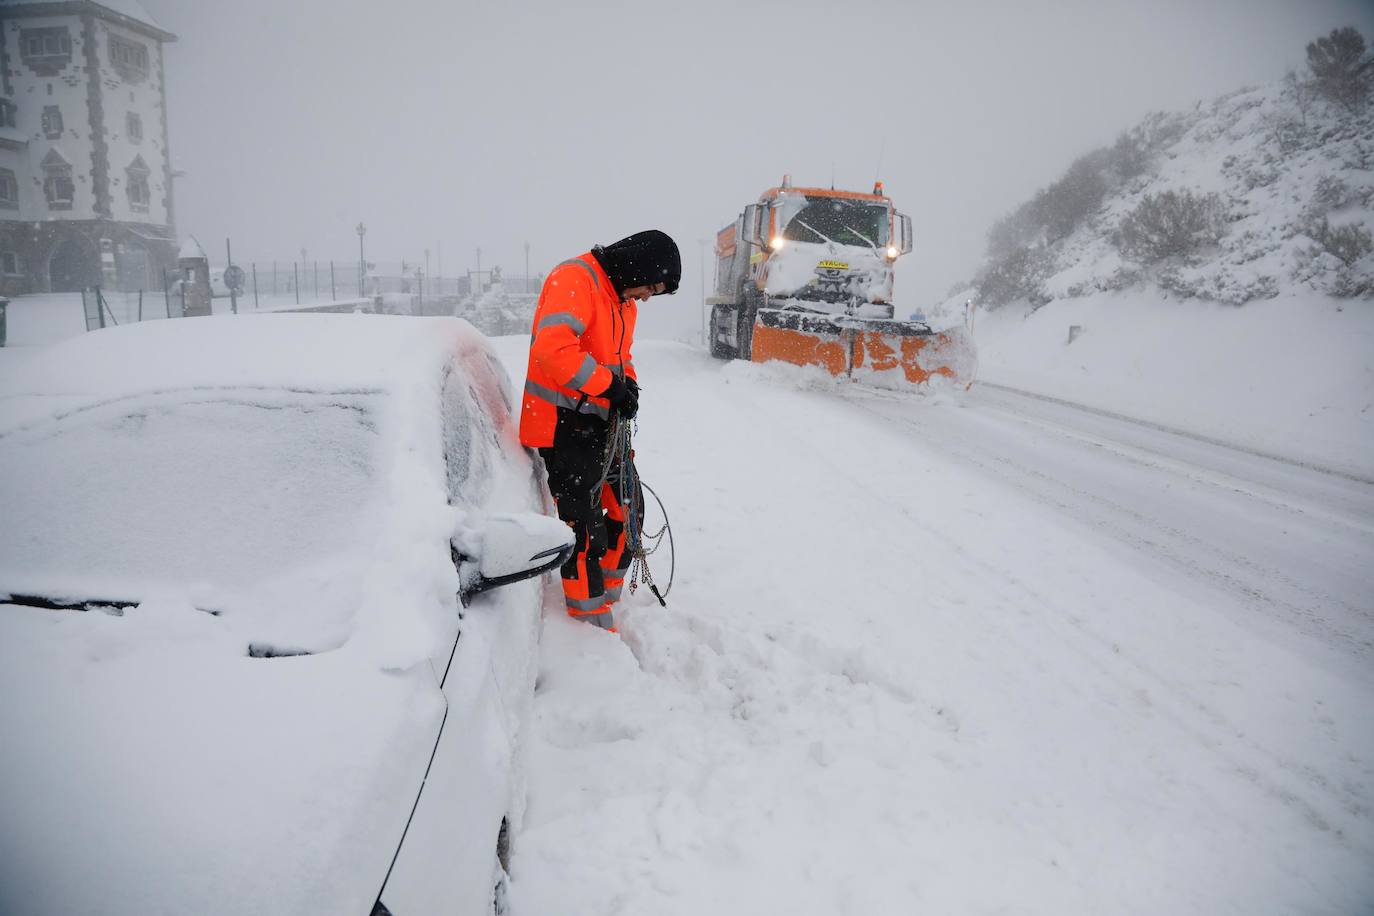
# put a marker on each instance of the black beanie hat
(642, 259)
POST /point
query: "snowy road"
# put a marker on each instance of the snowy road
(960, 654)
(1287, 544)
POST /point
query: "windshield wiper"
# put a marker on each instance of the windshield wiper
(117, 605)
(871, 244)
(817, 231)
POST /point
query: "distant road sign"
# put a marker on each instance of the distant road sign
(234, 278)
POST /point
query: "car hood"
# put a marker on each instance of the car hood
(152, 766)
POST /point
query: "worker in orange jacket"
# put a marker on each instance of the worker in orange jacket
(580, 377)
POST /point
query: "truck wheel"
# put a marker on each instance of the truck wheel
(720, 349)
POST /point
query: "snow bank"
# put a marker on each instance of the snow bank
(1292, 376)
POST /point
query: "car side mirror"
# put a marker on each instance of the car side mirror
(513, 548)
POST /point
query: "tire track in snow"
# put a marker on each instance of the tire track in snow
(1207, 560)
(1287, 780)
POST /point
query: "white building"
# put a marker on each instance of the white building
(85, 171)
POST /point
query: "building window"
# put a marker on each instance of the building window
(130, 58)
(9, 190)
(46, 51)
(52, 122)
(9, 263)
(133, 126)
(139, 196)
(57, 182)
(7, 113)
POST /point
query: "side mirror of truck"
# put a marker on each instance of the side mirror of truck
(752, 235)
(905, 222)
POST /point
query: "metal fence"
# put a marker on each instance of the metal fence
(318, 285)
(107, 308)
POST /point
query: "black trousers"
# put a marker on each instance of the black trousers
(595, 512)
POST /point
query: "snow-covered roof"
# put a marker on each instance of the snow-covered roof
(190, 248)
(128, 9)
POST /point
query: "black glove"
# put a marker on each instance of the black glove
(624, 396)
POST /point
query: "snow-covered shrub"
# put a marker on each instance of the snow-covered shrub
(1346, 243)
(1329, 193)
(1065, 204)
(1128, 156)
(1286, 130)
(1161, 129)
(1018, 274)
(1014, 231)
(1336, 65)
(1057, 210)
(1322, 271)
(1171, 224)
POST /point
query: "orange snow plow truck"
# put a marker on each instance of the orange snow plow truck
(805, 276)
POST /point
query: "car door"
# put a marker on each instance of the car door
(448, 862)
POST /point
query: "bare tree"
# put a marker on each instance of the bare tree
(1303, 93)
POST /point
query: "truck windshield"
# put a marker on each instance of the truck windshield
(834, 219)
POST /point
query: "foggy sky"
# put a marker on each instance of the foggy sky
(453, 125)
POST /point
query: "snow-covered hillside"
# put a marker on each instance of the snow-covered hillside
(1285, 180)
(1215, 267)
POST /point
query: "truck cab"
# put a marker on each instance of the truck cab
(816, 250)
(830, 250)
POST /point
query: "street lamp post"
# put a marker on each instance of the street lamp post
(362, 258)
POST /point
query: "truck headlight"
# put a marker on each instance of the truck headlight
(892, 252)
(776, 244)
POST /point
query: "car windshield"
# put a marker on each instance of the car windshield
(221, 487)
(834, 219)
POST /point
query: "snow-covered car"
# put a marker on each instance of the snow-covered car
(253, 652)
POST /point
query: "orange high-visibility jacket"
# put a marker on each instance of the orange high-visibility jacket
(582, 333)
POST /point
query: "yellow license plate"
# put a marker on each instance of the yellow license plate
(833, 265)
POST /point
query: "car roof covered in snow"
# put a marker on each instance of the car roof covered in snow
(312, 352)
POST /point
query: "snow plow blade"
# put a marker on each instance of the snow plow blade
(884, 352)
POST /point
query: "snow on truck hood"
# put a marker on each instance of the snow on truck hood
(151, 767)
(796, 264)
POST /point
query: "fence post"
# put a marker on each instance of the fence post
(104, 307)
(254, 265)
(296, 281)
(140, 306)
(317, 279)
(166, 293)
(274, 278)
(333, 293)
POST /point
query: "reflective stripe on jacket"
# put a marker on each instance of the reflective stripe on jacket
(581, 333)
